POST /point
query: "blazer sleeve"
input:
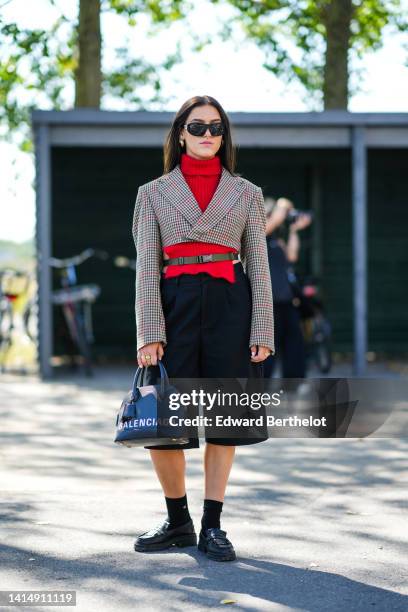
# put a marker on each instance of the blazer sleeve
(150, 323)
(254, 257)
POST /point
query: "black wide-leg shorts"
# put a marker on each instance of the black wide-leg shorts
(208, 323)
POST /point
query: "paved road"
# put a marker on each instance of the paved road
(318, 524)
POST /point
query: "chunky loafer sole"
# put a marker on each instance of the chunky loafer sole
(189, 539)
(219, 555)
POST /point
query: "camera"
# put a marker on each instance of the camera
(294, 214)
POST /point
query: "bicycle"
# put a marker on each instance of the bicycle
(17, 346)
(316, 327)
(76, 302)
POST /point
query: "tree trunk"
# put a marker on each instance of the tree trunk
(88, 75)
(337, 19)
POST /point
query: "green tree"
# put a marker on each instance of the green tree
(37, 65)
(313, 41)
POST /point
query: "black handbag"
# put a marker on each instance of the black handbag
(143, 417)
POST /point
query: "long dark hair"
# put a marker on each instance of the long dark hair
(172, 149)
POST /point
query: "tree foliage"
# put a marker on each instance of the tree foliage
(37, 66)
(293, 34)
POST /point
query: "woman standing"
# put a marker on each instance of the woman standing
(203, 299)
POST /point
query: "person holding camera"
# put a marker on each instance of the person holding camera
(289, 340)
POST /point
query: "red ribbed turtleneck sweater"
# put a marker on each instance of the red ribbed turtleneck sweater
(202, 177)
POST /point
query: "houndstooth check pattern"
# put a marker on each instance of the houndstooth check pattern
(166, 212)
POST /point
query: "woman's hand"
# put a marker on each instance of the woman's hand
(303, 220)
(263, 353)
(154, 349)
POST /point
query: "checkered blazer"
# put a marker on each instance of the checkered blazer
(166, 212)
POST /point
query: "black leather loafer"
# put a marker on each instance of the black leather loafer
(216, 545)
(163, 536)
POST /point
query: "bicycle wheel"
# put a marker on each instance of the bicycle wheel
(323, 357)
(30, 319)
(6, 328)
(83, 344)
(76, 326)
(6, 319)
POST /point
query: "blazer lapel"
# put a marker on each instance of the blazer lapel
(175, 189)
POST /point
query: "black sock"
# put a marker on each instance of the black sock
(177, 510)
(212, 513)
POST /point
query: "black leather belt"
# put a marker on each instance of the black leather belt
(179, 261)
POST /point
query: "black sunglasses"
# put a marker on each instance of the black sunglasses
(199, 129)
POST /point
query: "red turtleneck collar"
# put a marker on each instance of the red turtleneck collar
(190, 166)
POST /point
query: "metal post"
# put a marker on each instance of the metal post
(43, 247)
(359, 196)
(316, 227)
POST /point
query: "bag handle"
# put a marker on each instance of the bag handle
(141, 371)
